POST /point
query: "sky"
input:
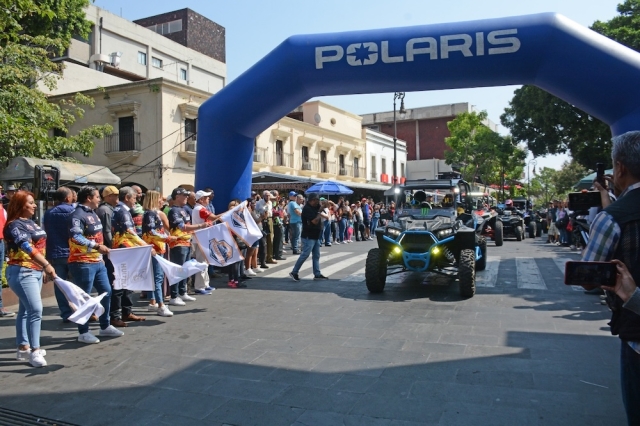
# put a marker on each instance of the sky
(255, 27)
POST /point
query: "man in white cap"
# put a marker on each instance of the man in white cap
(201, 214)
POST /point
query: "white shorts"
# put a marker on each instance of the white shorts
(553, 230)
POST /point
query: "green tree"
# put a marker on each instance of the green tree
(569, 174)
(30, 32)
(546, 181)
(549, 125)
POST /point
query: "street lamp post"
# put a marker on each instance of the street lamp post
(402, 112)
(531, 162)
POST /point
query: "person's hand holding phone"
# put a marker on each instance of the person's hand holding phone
(625, 284)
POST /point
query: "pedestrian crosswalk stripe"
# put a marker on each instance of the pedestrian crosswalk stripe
(528, 274)
(489, 276)
(307, 266)
(327, 271)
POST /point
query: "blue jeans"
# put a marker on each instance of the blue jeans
(178, 255)
(26, 283)
(1, 266)
(61, 266)
(342, 229)
(326, 232)
(374, 225)
(296, 229)
(309, 246)
(630, 381)
(88, 275)
(158, 278)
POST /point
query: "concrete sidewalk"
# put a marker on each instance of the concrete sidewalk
(327, 353)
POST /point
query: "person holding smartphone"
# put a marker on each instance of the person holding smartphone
(615, 235)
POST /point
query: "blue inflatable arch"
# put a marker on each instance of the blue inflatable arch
(548, 50)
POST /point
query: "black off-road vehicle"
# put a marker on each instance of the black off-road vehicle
(435, 236)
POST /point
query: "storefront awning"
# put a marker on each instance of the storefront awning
(22, 169)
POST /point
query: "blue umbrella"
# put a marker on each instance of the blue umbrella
(330, 188)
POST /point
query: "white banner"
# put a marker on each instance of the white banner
(242, 224)
(83, 304)
(218, 245)
(132, 266)
(176, 273)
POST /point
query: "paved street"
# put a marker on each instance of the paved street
(526, 350)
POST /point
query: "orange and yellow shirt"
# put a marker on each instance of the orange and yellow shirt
(178, 218)
(24, 240)
(85, 235)
(153, 231)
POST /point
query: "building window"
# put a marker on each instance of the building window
(323, 162)
(279, 153)
(383, 169)
(167, 27)
(356, 167)
(156, 62)
(142, 58)
(183, 74)
(126, 134)
(190, 128)
(374, 174)
(343, 171)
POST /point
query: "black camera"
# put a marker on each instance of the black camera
(600, 175)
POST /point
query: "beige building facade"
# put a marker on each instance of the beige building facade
(316, 140)
(153, 143)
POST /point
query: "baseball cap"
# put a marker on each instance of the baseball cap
(201, 194)
(179, 191)
(109, 190)
(293, 194)
(11, 188)
(323, 199)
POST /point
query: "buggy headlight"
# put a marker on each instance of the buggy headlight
(393, 232)
(435, 251)
(444, 233)
(397, 250)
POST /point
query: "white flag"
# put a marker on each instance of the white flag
(83, 304)
(218, 245)
(132, 267)
(176, 273)
(242, 224)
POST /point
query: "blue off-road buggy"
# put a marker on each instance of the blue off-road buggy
(431, 233)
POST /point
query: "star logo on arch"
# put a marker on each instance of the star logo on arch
(361, 54)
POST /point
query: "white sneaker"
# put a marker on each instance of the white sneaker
(257, 271)
(88, 338)
(185, 297)
(111, 331)
(25, 355)
(152, 308)
(250, 272)
(177, 302)
(164, 311)
(36, 359)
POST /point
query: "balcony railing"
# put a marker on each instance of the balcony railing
(310, 164)
(358, 172)
(328, 167)
(260, 155)
(121, 142)
(283, 160)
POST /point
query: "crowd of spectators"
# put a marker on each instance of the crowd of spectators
(81, 228)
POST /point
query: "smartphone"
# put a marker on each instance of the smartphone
(583, 201)
(600, 174)
(590, 273)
